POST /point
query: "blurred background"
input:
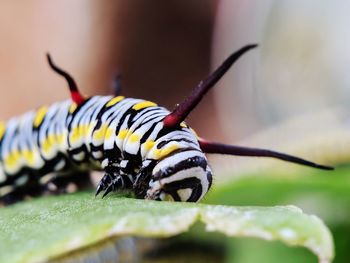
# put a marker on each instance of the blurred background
(290, 94)
(163, 49)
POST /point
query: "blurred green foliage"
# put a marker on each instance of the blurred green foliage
(325, 194)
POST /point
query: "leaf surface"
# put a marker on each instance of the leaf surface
(45, 228)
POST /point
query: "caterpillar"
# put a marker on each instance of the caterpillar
(139, 145)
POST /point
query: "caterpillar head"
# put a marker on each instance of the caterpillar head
(182, 176)
(185, 176)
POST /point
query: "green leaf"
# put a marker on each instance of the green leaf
(46, 228)
(325, 194)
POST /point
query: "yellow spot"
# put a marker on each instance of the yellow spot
(148, 145)
(75, 134)
(2, 129)
(183, 124)
(40, 115)
(59, 138)
(109, 133)
(48, 143)
(122, 134)
(73, 107)
(28, 156)
(144, 104)
(134, 138)
(114, 101)
(100, 133)
(160, 153)
(16, 154)
(12, 158)
(83, 130)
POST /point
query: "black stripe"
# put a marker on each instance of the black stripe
(148, 133)
(122, 118)
(195, 161)
(193, 183)
(148, 119)
(142, 111)
(74, 113)
(196, 193)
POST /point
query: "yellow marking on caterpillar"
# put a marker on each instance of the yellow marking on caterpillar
(2, 129)
(48, 143)
(160, 153)
(72, 107)
(59, 138)
(12, 159)
(75, 134)
(114, 101)
(144, 104)
(40, 115)
(148, 145)
(134, 138)
(16, 155)
(100, 133)
(28, 156)
(109, 133)
(183, 124)
(83, 130)
(122, 134)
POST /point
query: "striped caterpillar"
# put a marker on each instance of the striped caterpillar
(140, 146)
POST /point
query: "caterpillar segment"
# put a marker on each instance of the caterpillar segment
(139, 145)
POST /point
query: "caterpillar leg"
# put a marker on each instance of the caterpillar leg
(113, 180)
(59, 184)
(21, 193)
(141, 183)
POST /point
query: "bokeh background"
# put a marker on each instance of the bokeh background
(163, 49)
(291, 94)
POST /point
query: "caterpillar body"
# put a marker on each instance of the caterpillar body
(139, 145)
